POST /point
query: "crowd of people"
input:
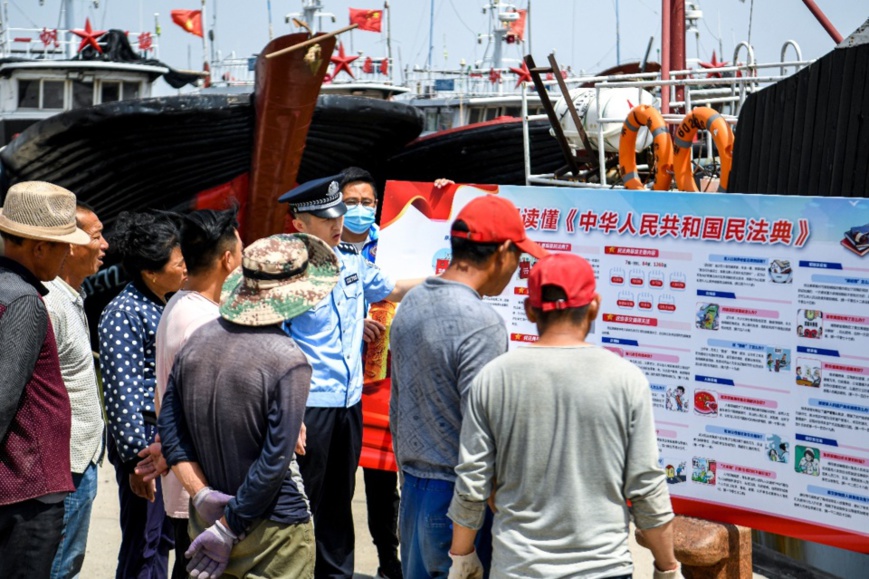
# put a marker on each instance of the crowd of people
(231, 387)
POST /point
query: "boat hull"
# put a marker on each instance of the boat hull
(489, 152)
(162, 152)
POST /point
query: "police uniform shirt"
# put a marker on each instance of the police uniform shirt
(330, 334)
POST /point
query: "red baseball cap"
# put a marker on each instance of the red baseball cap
(568, 271)
(494, 219)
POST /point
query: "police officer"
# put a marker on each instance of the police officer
(331, 335)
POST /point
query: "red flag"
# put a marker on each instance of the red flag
(189, 20)
(517, 27)
(366, 19)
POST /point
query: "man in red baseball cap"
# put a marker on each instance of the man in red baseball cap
(559, 424)
(442, 335)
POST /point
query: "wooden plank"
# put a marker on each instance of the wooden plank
(808, 128)
(774, 139)
(831, 101)
(861, 149)
(553, 118)
(799, 129)
(786, 159)
(742, 146)
(819, 109)
(854, 159)
(762, 153)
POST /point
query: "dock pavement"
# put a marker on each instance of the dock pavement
(105, 535)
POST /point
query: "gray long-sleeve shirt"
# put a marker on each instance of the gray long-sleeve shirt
(568, 435)
(235, 403)
(443, 334)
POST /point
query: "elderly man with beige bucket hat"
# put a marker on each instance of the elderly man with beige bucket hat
(37, 223)
(235, 402)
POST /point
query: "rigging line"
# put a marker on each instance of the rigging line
(32, 23)
(608, 52)
(649, 8)
(105, 11)
(750, 18)
(573, 36)
(459, 16)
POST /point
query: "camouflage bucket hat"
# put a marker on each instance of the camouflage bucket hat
(280, 277)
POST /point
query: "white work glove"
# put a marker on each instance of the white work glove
(673, 574)
(466, 566)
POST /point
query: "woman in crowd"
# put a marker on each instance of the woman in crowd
(148, 244)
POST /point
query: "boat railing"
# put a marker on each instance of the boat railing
(61, 44)
(233, 71)
(239, 71)
(726, 91)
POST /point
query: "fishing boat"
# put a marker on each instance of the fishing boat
(45, 71)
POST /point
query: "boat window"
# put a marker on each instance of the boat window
(111, 92)
(477, 115)
(28, 94)
(130, 90)
(513, 111)
(52, 94)
(445, 120)
(491, 113)
(82, 94)
(431, 117)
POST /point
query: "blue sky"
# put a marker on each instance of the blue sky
(582, 32)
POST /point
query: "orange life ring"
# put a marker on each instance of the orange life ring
(662, 145)
(707, 119)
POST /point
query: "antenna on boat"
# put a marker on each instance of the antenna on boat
(205, 35)
(430, 33)
(389, 40)
(311, 14)
(618, 37)
(69, 21)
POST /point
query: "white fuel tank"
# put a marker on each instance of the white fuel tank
(615, 103)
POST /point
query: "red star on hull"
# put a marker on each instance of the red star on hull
(342, 62)
(88, 36)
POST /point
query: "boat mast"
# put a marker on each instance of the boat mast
(205, 59)
(498, 34)
(312, 15)
(618, 37)
(389, 40)
(69, 22)
(430, 33)
(672, 46)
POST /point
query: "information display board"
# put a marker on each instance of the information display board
(748, 314)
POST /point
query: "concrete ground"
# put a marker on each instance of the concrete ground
(105, 536)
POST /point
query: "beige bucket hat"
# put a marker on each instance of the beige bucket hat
(280, 277)
(43, 211)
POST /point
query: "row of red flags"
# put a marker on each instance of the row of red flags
(191, 20)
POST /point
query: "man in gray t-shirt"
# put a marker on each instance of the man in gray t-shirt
(442, 335)
(560, 435)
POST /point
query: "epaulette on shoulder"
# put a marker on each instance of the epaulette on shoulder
(348, 248)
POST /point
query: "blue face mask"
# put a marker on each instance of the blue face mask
(359, 218)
